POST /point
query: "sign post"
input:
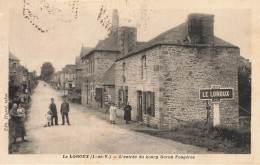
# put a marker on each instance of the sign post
(216, 94)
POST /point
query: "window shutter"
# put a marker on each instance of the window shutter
(119, 98)
(153, 103)
(144, 102)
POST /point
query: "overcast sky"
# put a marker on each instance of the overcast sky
(63, 42)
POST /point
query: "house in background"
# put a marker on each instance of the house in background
(20, 73)
(19, 79)
(79, 72)
(162, 77)
(68, 77)
(105, 86)
(101, 58)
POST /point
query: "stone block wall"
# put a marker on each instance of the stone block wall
(103, 60)
(134, 82)
(184, 70)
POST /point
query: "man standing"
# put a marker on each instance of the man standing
(64, 110)
(53, 109)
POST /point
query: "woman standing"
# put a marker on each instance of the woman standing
(17, 124)
(127, 115)
(112, 112)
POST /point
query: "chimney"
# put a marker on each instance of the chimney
(201, 28)
(115, 19)
(127, 37)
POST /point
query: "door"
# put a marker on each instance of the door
(140, 106)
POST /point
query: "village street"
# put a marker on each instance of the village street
(88, 134)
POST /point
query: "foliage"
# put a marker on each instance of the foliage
(244, 88)
(47, 71)
(217, 139)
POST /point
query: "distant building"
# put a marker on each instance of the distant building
(14, 62)
(68, 77)
(56, 79)
(98, 60)
(20, 72)
(80, 67)
(162, 77)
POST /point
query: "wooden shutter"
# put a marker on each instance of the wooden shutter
(153, 103)
(119, 98)
(144, 102)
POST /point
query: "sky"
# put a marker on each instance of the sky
(63, 42)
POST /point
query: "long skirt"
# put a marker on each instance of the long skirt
(17, 128)
(127, 115)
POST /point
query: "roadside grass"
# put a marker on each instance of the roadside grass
(218, 139)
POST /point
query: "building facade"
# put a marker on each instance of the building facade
(162, 77)
(100, 59)
(68, 77)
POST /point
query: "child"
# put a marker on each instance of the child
(21, 111)
(112, 111)
(48, 118)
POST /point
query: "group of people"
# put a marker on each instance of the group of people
(17, 128)
(52, 113)
(113, 113)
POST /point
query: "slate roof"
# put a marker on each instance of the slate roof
(108, 44)
(108, 78)
(70, 69)
(12, 57)
(85, 50)
(175, 36)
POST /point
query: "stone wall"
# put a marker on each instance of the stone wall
(184, 70)
(134, 82)
(175, 74)
(103, 60)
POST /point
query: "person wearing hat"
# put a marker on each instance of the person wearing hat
(64, 110)
(53, 109)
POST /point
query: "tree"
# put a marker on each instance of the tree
(47, 71)
(244, 88)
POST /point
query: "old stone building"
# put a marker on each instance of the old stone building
(19, 73)
(68, 77)
(79, 68)
(162, 77)
(99, 60)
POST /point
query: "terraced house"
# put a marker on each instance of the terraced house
(98, 70)
(162, 77)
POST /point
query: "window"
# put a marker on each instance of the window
(149, 103)
(143, 68)
(122, 98)
(124, 72)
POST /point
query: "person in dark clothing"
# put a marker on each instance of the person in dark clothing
(17, 124)
(127, 115)
(64, 110)
(53, 109)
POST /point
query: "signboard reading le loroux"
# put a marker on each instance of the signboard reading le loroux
(213, 94)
